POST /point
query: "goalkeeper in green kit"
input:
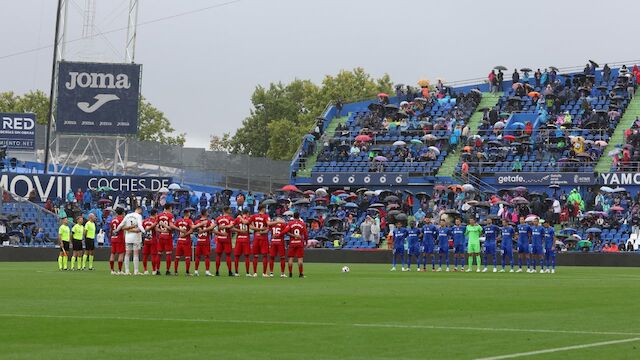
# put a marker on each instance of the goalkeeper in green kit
(473, 232)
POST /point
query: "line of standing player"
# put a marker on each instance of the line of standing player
(535, 245)
(162, 226)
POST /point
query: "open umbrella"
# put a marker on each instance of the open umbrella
(422, 194)
(416, 142)
(423, 83)
(531, 218)
(509, 137)
(351, 205)
(434, 149)
(375, 107)
(302, 202)
(174, 186)
(380, 158)
(525, 69)
(163, 190)
(594, 231)
(319, 208)
(500, 67)
(520, 189)
(554, 186)
(429, 137)
(553, 68)
(399, 143)
(392, 206)
(616, 208)
(584, 244)
(619, 190)
(439, 188)
(321, 192)
(363, 138)
(516, 85)
(595, 64)
(376, 205)
(290, 187)
(391, 198)
(401, 217)
(468, 187)
(268, 202)
(519, 201)
(601, 143)
(104, 201)
(383, 95)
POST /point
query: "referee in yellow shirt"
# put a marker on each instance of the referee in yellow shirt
(77, 233)
(64, 236)
(89, 241)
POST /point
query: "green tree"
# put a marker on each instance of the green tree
(32, 102)
(153, 125)
(217, 143)
(294, 107)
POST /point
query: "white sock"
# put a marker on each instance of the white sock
(126, 262)
(135, 261)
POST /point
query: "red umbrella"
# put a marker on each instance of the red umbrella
(439, 188)
(509, 137)
(309, 192)
(616, 208)
(363, 138)
(338, 192)
(290, 188)
(383, 95)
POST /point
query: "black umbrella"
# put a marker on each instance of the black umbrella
(452, 212)
(229, 192)
(332, 220)
(391, 198)
(322, 238)
(401, 217)
(554, 68)
(302, 202)
(422, 194)
(526, 69)
(514, 98)
(376, 205)
(268, 202)
(375, 106)
(500, 67)
(361, 190)
(391, 108)
(595, 64)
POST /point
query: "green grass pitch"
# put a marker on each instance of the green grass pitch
(369, 313)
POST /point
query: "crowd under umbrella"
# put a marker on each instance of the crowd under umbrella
(173, 187)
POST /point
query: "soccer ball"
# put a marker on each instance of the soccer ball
(345, 269)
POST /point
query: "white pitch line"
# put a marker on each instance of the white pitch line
(311, 323)
(566, 348)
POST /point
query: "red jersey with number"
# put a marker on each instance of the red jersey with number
(299, 228)
(146, 224)
(184, 225)
(164, 220)
(203, 236)
(224, 220)
(115, 222)
(243, 233)
(260, 221)
(277, 233)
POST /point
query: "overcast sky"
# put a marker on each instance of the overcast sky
(201, 68)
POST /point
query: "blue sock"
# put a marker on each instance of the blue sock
(553, 260)
(440, 260)
(528, 263)
(485, 260)
(455, 261)
(395, 257)
(520, 262)
(402, 258)
(433, 261)
(495, 260)
(511, 260)
(447, 257)
(409, 262)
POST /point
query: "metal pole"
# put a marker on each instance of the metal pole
(52, 89)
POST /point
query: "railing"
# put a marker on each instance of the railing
(20, 206)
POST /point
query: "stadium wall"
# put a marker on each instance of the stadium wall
(631, 259)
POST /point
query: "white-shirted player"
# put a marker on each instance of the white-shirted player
(132, 225)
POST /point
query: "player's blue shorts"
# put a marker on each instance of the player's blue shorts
(523, 248)
(536, 249)
(549, 250)
(490, 248)
(398, 249)
(428, 247)
(414, 250)
(458, 248)
(443, 249)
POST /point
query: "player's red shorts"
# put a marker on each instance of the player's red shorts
(296, 251)
(277, 249)
(117, 247)
(260, 245)
(203, 248)
(223, 246)
(242, 248)
(150, 248)
(183, 248)
(165, 242)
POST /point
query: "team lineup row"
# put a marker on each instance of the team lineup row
(154, 236)
(534, 241)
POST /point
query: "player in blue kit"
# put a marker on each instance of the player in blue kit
(549, 247)
(429, 233)
(444, 234)
(399, 236)
(413, 238)
(524, 235)
(458, 234)
(537, 234)
(490, 235)
(506, 243)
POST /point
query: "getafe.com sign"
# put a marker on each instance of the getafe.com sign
(95, 98)
(53, 186)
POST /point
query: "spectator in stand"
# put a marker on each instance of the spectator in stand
(240, 198)
(87, 198)
(515, 77)
(203, 201)
(70, 196)
(493, 82)
(500, 79)
(32, 195)
(517, 165)
(79, 195)
(537, 76)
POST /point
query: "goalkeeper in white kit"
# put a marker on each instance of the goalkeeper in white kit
(132, 226)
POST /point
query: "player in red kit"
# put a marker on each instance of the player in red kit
(117, 241)
(204, 227)
(259, 223)
(183, 247)
(277, 245)
(297, 231)
(150, 245)
(222, 231)
(164, 229)
(241, 228)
